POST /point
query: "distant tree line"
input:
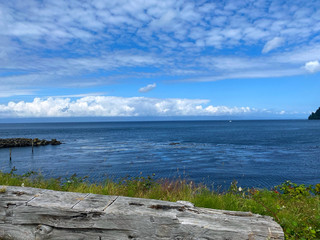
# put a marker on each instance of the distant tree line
(315, 116)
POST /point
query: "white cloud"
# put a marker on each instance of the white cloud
(272, 44)
(59, 22)
(109, 106)
(147, 88)
(312, 66)
(57, 42)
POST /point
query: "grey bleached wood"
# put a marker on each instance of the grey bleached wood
(30, 213)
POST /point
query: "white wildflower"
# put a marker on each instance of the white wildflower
(240, 189)
(22, 185)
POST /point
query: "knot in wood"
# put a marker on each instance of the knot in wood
(42, 231)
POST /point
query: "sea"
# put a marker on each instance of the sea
(257, 153)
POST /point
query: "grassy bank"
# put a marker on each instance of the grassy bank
(295, 207)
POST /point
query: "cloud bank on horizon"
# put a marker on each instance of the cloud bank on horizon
(129, 47)
(107, 106)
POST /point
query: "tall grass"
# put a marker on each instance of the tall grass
(295, 207)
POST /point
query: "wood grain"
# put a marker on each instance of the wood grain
(29, 213)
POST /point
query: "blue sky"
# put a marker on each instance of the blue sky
(141, 58)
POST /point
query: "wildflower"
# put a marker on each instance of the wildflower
(240, 189)
(22, 185)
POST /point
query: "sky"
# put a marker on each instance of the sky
(168, 58)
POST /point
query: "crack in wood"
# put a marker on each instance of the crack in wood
(11, 204)
(239, 214)
(193, 210)
(85, 215)
(87, 230)
(136, 204)
(110, 203)
(168, 207)
(18, 193)
(37, 195)
(79, 200)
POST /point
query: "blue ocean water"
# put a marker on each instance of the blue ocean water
(255, 153)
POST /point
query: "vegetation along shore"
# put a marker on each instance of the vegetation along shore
(295, 207)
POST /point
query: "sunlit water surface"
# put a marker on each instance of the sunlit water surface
(255, 153)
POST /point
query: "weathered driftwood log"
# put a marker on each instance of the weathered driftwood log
(25, 142)
(29, 213)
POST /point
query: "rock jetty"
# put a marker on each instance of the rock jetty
(31, 213)
(26, 142)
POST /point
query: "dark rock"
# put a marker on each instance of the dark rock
(55, 142)
(315, 116)
(25, 142)
(174, 143)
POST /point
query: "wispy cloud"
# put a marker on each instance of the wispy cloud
(110, 106)
(147, 88)
(59, 42)
(15, 92)
(81, 95)
(272, 44)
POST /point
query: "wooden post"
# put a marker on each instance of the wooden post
(10, 153)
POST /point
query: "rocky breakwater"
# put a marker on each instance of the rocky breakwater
(26, 142)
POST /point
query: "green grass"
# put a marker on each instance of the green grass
(295, 207)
